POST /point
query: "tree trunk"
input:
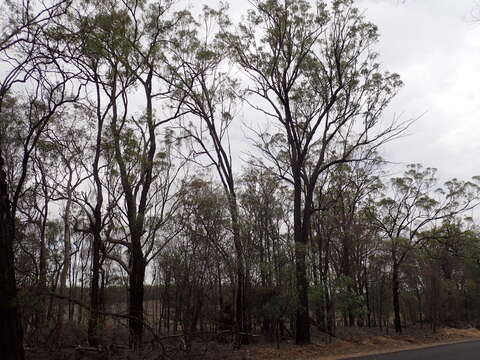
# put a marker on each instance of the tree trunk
(94, 291)
(96, 229)
(11, 333)
(239, 292)
(367, 299)
(396, 298)
(43, 315)
(302, 319)
(349, 319)
(66, 260)
(302, 314)
(137, 277)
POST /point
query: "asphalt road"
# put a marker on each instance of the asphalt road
(463, 351)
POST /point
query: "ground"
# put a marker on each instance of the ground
(361, 342)
(350, 342)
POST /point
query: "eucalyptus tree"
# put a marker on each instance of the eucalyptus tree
(453, 251)
(12, 339)
(411, 204)
(35, 208)
(64, 148)
(128, 40)
(207, 92)
(202, 251)
(313, 71)
(350, 187)
(263, 213)
(85, 51)
(342, 240)
(21, 26)
(50, 94)
(193, 269)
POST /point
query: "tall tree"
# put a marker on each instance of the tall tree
(130, 38)
(207, 92)
(11, 343)
(313, 71)
(21, 27)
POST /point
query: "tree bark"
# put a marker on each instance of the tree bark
(239, 306)
(396, 298)
(11, 332)
(66, 258)
(302, 319)
(367, 299)
(94, 291)
(96, 229)
(137, 277)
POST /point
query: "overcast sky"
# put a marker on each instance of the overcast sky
(435, 47)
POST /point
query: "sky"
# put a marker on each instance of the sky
(435, 47)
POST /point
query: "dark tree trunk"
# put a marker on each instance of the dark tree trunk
(96, 229)
(44, 314)
(136, 214)
(240, 286)
(239, 309)
(302, 314)
(396, 298)
(349, 319)
(302, 319)
(11, 333)
(137, 277)
(66, 259)
(94, 291)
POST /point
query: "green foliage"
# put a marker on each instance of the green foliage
(316, 296)
(348, 299)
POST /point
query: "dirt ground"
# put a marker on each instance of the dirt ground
(357, 342)
(350, 342)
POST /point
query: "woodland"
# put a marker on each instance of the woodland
(131, 215)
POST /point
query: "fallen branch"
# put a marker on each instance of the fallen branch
(111, 314)
(156, 338)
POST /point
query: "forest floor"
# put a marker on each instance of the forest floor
(359, 342)
(349, 342)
